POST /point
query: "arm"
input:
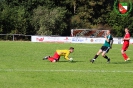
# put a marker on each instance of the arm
(66, 56)
(107, 39)
(111, 43)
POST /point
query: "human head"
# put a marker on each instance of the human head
(108, 32)
(71, 49)
(126, 30)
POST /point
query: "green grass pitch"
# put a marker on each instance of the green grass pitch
(21, 66)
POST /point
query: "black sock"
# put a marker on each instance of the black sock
(106, 57)
(95, 57)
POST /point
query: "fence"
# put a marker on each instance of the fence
(15, 37)
(59, 39)
(74, 39)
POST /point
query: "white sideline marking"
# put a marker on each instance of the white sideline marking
(92, 71)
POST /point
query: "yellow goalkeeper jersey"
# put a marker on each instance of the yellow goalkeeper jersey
(64, 53)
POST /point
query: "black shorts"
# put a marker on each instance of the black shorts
(105, 49)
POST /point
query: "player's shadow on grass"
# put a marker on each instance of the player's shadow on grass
(127, 62)
(72, 61)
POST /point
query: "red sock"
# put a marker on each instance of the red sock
(50, 59)
(125, 56)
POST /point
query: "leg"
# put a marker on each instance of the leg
(123, 52)
(54, 58)
(46, 57)
(51, 59)
(106, 50)
(105, 56)
(124, 55)
(98, 53)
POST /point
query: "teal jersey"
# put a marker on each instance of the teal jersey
(107, 44)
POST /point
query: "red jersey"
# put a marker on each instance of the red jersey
(127, 35)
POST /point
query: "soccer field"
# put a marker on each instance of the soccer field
(21, 66)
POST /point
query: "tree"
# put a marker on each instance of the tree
(118, 23)
(13, 20)
(90, 13)
(58, 17)
(49, 21)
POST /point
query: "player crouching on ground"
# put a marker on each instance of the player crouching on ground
(105, 48)
(58, 53)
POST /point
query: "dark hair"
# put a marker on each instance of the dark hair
(71, 48)
(127, 28)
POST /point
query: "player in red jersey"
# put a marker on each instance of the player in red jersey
(125, 46)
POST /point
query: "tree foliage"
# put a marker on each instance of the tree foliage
(58, 17)
(49, 21)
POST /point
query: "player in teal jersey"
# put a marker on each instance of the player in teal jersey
(105, 48)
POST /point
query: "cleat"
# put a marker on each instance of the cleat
(128, 59)
(45, 58)
(92, 61)
(108, 60)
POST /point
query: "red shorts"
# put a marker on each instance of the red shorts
(54, 57)
(125, 47)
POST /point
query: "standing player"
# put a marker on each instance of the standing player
(59, 53)
(125, 44)
(105, 48)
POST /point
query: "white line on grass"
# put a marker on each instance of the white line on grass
(91, 71)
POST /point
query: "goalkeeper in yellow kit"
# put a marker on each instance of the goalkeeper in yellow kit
(58, 53)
